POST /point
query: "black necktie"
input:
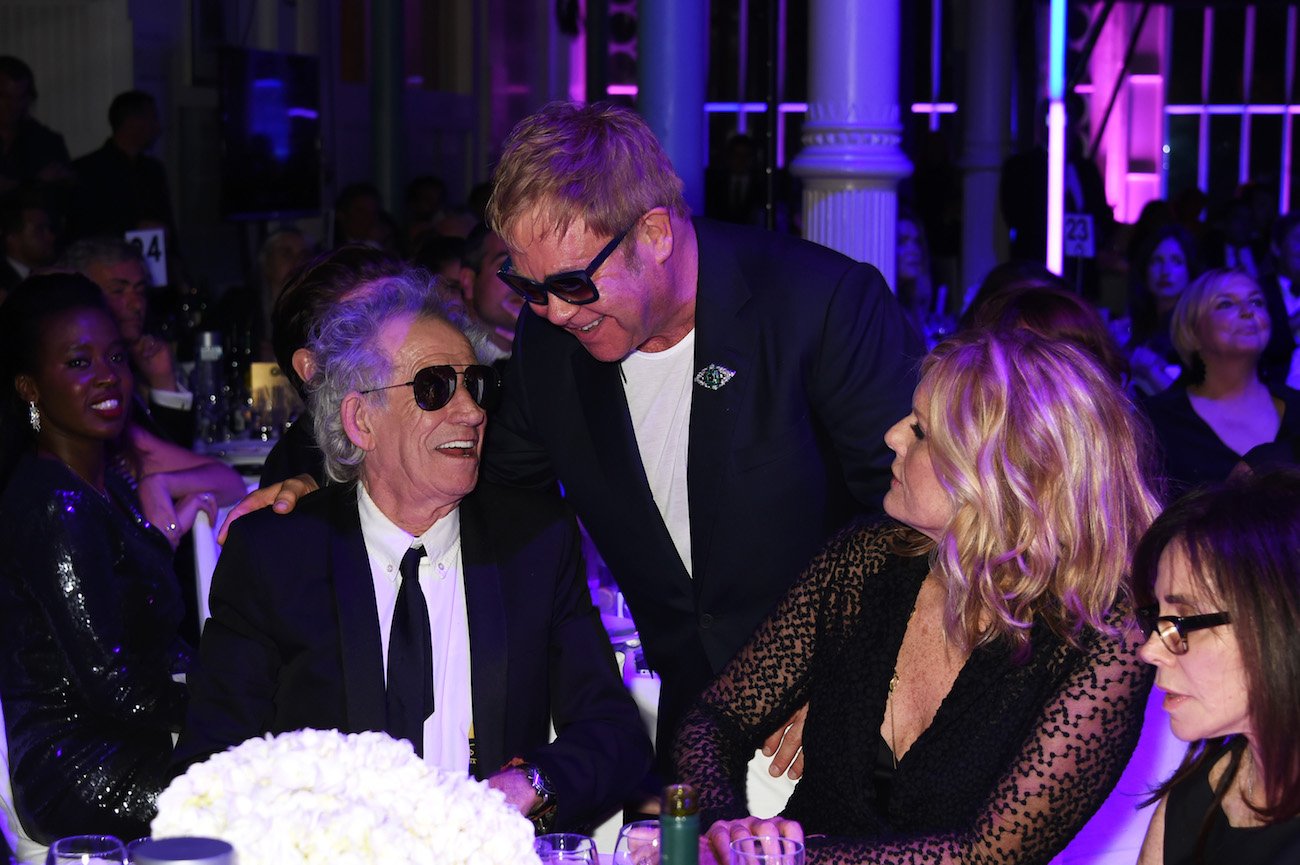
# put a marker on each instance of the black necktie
(410, 658)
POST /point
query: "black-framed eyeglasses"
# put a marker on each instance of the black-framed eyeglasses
(571, 286)
(1173, 630)
(435, 385)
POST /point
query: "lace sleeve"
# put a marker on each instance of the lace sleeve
(768, 678)
(1081, 742)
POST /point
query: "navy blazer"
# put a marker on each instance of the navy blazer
(779, 456)
(294, 642)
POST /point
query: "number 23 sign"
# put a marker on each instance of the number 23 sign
(1079, 240)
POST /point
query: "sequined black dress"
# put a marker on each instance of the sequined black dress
(89, 609)
(1017, 758)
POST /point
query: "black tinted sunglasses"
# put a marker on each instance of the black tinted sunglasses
(572, 286)
(1173, 630)
(435, 385)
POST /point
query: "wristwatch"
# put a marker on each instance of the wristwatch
(543, 814)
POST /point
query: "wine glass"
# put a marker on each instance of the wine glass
(87, 850)
(561, 847)
(766, 850)
(638, 844)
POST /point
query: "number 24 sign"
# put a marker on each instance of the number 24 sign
(152, 244)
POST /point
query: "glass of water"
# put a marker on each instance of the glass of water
(565, 847)
(87, 850)
(638, 844)
(762, 850)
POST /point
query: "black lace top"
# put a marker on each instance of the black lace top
(1018, 756)
(89, 610)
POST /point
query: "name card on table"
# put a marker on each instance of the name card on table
(152, 243)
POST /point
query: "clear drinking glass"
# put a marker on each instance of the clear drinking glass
(638, 844)
(766, 851)
(87, 850)
(131, 846)
(565, 847)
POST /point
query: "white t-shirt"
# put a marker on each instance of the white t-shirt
(658, 388)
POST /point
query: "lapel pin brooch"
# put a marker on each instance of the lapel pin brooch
(714, 376)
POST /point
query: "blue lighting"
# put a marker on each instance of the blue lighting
(268, 116)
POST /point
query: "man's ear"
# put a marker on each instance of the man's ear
(304, 363)
(358, 416)
(466, 281)
(656, 230)
(26, 387)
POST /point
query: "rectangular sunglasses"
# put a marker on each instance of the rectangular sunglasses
(434, 386)
(571, 286)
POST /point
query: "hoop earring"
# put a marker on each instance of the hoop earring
(34, 416)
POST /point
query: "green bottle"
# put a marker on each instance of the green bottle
(679, 826)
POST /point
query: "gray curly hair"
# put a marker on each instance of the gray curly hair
(345, 343)
(103, 249)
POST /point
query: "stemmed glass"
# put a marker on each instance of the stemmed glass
(638, 844)
(561, 847)
(87, 850)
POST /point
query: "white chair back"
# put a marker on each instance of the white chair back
(25, 849)
(206, 553)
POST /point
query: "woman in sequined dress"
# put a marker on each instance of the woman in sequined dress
(970, 667)
(89, 605)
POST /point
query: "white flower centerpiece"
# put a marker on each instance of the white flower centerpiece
(314, 797)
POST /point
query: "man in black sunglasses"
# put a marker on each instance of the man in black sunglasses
(407, 597)
(711, 398)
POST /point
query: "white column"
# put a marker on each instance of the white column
(851, 160)
(986, 117)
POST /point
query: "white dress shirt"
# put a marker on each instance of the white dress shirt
(448, 730)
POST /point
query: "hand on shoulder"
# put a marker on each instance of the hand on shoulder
(281, 498)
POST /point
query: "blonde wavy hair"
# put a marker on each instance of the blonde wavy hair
(598, 163)
(1048, 466)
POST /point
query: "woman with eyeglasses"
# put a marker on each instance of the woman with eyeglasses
(970, 674)
(1220, 409)
(1219, 574)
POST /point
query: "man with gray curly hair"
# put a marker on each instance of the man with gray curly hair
(405, 597)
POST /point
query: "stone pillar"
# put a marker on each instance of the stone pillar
(387, 89)
(672, 74)
(986, 117)
(851, 160)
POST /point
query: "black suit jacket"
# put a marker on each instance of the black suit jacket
(115, 192)
(294, 642)
(779, 456)
(8, 276)
(1023, 196)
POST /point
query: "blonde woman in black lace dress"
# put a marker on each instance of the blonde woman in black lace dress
(969, 667)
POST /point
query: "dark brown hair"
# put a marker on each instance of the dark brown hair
(1242, 541)
(315, 287)
(1054, 313)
